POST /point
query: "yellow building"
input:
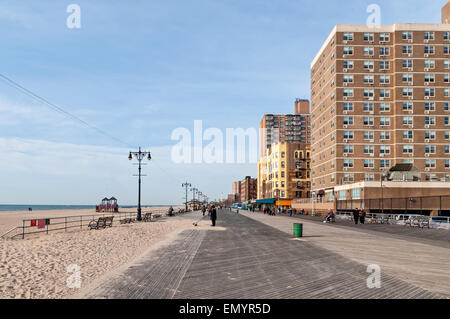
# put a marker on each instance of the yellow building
(284, 172)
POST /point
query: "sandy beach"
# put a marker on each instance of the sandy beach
(37, 267)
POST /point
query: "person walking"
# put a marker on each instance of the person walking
(203, 210)
(356, 216)
(290, 211)
(213, 216)
(362, 216)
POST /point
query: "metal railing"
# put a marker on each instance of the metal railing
(65, 223)
(399, 205)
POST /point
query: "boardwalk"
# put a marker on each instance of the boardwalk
(246, 258)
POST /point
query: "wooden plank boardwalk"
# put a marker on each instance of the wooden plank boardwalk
(249, 260)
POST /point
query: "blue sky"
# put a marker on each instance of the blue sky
(140, 69)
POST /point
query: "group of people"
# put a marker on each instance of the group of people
(212, 213)
(291, 211)
(359, 215)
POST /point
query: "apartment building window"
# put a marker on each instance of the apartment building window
(447, 35)
(446, 64)
(430, 106)
(385, 149)
(368, 121)
(446, 92)
(447, 135)
(368, 65)
(407, 120)
(408, 149)
(430, 163)
(368, 37)
(446, 120)
(348, 149)
(385, 93)
(428, 36)
(407, 35)
(428, 49)
(348, 135)
(446, 49)
(298, 194)
(384, 51)
(384, 37)
(446, 78)
(385, 121)
(385, 79)
(385, 135)
(384, 65)
(368, 149)
(283, 154)
(408, 135)
(369, 163)
(282, 174)
(408, 106)
(348, 51)
(348, 178)
(407, 49)
(407, 77)
(368, 51)
(369, 177)
(368, 135)
(348, 120)
(407, 92)
(342, 195)
(447, 165)
(348, 36)
(385, 107)
(407, 64)
(385, 163)
(429, 78)
(430, 120)
(447, 149)
(348, 163)
(429, 92)
(282, 184)
(348, 78)
(429, 64)
(368, 107)
(369, 79)
(348, 107)
(283, 164)
(347, 64)
(356, 193)
(430, 149)
(430, 135)
(369, 93)
(348, 93)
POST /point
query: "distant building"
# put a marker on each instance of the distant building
(291, 128)
(248, 189)
(284, 172)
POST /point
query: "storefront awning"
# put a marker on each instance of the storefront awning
(266, 201)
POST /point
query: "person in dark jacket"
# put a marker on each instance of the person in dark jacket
(356, 216)
(362, 216)
(213, 215)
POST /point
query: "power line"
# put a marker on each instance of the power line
(59, 109)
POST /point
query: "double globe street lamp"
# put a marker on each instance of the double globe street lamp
(140, 155)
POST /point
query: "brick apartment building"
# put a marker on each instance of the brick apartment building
(380, 96)
(291, 128)
(248, 189)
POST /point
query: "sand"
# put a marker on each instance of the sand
(37, 267)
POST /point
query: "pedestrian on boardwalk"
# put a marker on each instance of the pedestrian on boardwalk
(362, 216)
(213, 215)
(356, 216)
(290, 212)
(203, 210)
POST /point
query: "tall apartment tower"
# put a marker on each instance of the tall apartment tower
(291, 128)
(380, 96)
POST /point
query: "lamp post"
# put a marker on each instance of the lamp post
(383, 175)
(194, 190)
(140, 155)
(186, 185)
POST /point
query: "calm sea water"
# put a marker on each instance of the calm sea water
(56, 207)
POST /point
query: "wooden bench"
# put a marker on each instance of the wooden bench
(102, 222)
(147, 217)
(157, 216)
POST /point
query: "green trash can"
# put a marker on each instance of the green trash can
(298, 230)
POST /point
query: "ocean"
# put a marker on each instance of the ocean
(58, 207)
